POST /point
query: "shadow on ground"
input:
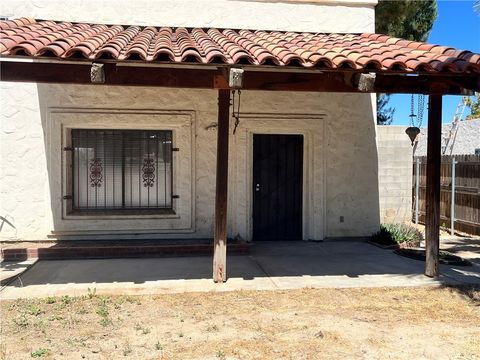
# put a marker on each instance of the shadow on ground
(355, 263)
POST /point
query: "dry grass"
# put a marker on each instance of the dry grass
(408, 323)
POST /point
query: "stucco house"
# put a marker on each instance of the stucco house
(90, 149)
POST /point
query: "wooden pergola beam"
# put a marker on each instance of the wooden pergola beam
(221, 189)
(432, 221)
(207, 78)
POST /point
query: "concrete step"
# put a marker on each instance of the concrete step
(120, 249)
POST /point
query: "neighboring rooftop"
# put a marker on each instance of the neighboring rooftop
(465, 141)
(65, 40)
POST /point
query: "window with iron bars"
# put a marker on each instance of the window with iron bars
(121, 170)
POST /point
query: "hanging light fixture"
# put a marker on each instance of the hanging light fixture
(414, 129)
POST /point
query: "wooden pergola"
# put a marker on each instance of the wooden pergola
(266, 78)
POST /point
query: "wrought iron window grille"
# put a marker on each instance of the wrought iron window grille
(121, 169)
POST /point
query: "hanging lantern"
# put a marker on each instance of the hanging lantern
(412, 132)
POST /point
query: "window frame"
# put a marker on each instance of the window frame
(72, 208)
(183, 123)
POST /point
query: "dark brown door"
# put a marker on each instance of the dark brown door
(277, 187)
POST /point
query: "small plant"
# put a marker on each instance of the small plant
(212, 328)
(21, 321)
(91, 293)
(221, 355)
(40, 353)
(102, 310)
(50, 300)
(66, 299)
(392, 234)
(55, 317)
(34, 310)
(145, 330)
(158, 346)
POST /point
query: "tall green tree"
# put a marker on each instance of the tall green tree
(406, 19)
(474, 105)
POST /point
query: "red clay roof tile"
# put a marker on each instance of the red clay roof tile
(28, 37)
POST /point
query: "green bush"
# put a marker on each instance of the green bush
(392, 234)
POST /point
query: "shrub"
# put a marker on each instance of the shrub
(392, 234)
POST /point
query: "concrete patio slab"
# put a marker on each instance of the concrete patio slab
(465, 247)
(270, 266)
(11, 269)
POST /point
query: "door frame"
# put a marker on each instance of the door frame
(313, 128)
(304, 135)
(307, 166)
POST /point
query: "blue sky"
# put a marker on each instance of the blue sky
(457, 25)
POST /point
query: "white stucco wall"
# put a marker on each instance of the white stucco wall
(395, 161)
(315, 16)
(340, 163)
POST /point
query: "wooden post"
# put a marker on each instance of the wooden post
(432, 221)
(220, 237)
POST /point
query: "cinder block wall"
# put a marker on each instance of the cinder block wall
(394, 174)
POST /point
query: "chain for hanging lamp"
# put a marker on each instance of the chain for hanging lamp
(413, 131)
(236, 115)
(421, 107)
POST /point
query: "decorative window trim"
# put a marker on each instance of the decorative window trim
(59, 121)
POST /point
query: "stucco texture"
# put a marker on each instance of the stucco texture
(340, 163)
(332, 16)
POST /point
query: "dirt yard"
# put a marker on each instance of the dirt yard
(408, 323)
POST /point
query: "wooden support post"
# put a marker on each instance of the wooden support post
(432, 222)
(220, 237)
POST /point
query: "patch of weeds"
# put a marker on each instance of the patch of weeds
(81, 341)
(91, 293)
(50, 300)
(39, 325)
(34, 309)
(54, 317)
(102, 310)
(105, 322)
(66, 299)
(133, 300)
(145, 330)
(213, 328)
(220, 355)
(158, 346)
(17, 304)
(21, 321)
(40, 353)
